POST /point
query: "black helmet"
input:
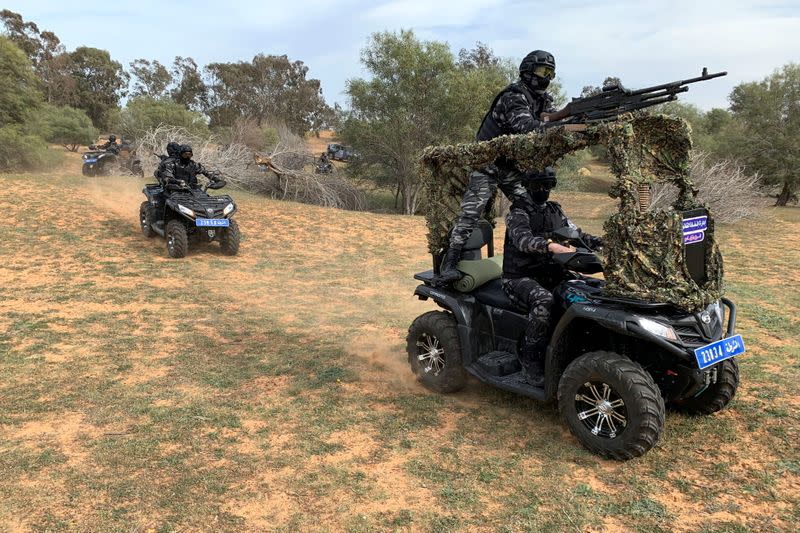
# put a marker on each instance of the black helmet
(184, 149)
(112, 138)
(173, 149)
(538, 68)
(539, 184)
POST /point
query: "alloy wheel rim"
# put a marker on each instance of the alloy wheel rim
(601, 409)
(430, 354)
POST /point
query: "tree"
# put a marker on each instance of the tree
(151, 78)
(100, 83)
(19, 94)
(403, 108)
(189, 88)
(269, 88)
(591, 90)
(66, 126)
(144, 113)
(47, 55)
(766, 119)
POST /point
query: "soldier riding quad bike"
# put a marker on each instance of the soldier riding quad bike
(183, 214)
(611, 362)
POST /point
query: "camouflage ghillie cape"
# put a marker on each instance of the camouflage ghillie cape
(644, 249)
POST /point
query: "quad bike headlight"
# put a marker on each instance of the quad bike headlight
(186, 211)
(228, 209)
(657, 328)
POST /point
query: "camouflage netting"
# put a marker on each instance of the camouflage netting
(645, 257)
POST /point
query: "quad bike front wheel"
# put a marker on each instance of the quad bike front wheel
(434, 352)
(177, 239)
(146, 214)
(611, 405)
(717, 395)
(229, 239)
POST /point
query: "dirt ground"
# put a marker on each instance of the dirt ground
(270, 391)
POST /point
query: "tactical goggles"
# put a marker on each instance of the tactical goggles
(542, 185)
(545, 72)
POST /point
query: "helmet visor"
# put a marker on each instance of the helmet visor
(544, 71)
(542, 185)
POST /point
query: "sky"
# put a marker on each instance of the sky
(642, 42)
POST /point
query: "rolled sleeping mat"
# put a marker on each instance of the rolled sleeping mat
(478, 272)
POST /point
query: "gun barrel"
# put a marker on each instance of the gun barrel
(680, 83)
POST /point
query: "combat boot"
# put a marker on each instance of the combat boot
(449, 271)
(532, 359)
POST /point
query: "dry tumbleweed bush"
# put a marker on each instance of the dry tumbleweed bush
(729, 191)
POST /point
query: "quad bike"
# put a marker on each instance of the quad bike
(611, 363)
(130, 162)
(99, 162)
(189, 213)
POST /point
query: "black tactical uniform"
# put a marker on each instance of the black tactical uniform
(172, 153)
(516, 109)
(182, 171)
(528, 268)
(111, 145)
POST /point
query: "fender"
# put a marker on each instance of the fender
(463, 318)
(606, 318)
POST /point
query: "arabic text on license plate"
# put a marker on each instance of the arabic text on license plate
(715, 352)
(213, 222)
(91, 161)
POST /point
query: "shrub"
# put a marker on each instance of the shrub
(67, 126)
(22, 151)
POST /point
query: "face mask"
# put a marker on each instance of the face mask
(540, 197)
(185, 158)
(541, 83)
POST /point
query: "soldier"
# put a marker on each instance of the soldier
(172, 153)
(111, 145)
(181, 172)
(516, 109)
(528, 266)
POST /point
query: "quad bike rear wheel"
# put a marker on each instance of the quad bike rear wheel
(146, 215)
(717, 395)
(177, 239)
(434, 352)
(229, 239)
(611, 405)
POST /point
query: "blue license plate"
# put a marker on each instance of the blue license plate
(715, 352)
(90, 161)
(213, 222)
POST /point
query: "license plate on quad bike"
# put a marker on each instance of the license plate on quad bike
(715, 352)
(213, 222)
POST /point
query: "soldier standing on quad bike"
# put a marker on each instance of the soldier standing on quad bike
(516, 109)
(528, 265)
(181, 172)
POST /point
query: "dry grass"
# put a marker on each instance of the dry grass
(269, 391)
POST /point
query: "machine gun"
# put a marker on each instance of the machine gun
(614, 100)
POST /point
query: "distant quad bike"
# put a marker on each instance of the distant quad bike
(189, 214)
(611, 363)
(99, 162)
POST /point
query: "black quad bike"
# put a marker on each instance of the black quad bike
(104, 162)
(611, 363)
(99, 162)
(189, 213)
